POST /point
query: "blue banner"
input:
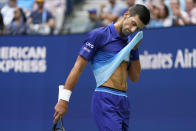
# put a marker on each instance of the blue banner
(32, 67)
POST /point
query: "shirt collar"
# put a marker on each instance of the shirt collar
(115, 34)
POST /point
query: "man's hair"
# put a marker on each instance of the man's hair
(142, 12)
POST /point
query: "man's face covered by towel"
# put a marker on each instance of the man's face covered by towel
(131, 24)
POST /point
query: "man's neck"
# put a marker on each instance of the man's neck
(118, 27)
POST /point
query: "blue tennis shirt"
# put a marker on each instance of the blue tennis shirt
(102, 42)
(105, 49)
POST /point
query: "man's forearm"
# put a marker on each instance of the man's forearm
(134, 66)
(72, 79)
(134, 70)
(75, 73)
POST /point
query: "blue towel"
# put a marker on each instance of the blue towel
(104, 69)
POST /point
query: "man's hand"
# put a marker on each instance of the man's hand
(60, 110)
(137, 45)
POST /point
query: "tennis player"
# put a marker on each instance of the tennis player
(110, 104)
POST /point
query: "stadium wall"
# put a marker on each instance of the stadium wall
(32, 67)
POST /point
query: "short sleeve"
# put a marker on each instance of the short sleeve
(90, 45)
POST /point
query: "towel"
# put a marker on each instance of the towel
(102, 70)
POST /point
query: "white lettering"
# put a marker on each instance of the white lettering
(156, 61)
(23, 59)
(41, 52)
(9, 65)
(194, 58)
(86, 49)
(42, 66)
(2, 66)
(24, 52)
(31, 53)
(167, 63)
(4, 52)
(188, 60)
(18, 66)
(179, 59)
(90, 45)
(13, 52)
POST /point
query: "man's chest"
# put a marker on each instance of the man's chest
(113, 46)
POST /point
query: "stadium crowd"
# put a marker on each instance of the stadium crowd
(32, 17)
(44, 17)
(164, 13)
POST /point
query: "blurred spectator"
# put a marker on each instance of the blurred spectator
(1, 24)
(191, 10)
(112, 13)
(179, 16)
(130, 3)
(155, 9)
(57, 8)
(164, 16)
(182, 5)
(93, 20)
(41, 21)
(142, 2)
(164, 11)
(18, 25)
(8, 11)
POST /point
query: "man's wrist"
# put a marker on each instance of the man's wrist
(64, 94)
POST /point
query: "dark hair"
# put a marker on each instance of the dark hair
(142, 12)
(24, 19)
(22, 15)
(166, 11)
(1, 22)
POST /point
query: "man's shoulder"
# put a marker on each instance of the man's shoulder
(100, 32)
(98, 36)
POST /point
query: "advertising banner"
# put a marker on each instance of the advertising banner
(32, 67)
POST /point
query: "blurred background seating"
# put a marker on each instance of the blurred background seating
(72, 16)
